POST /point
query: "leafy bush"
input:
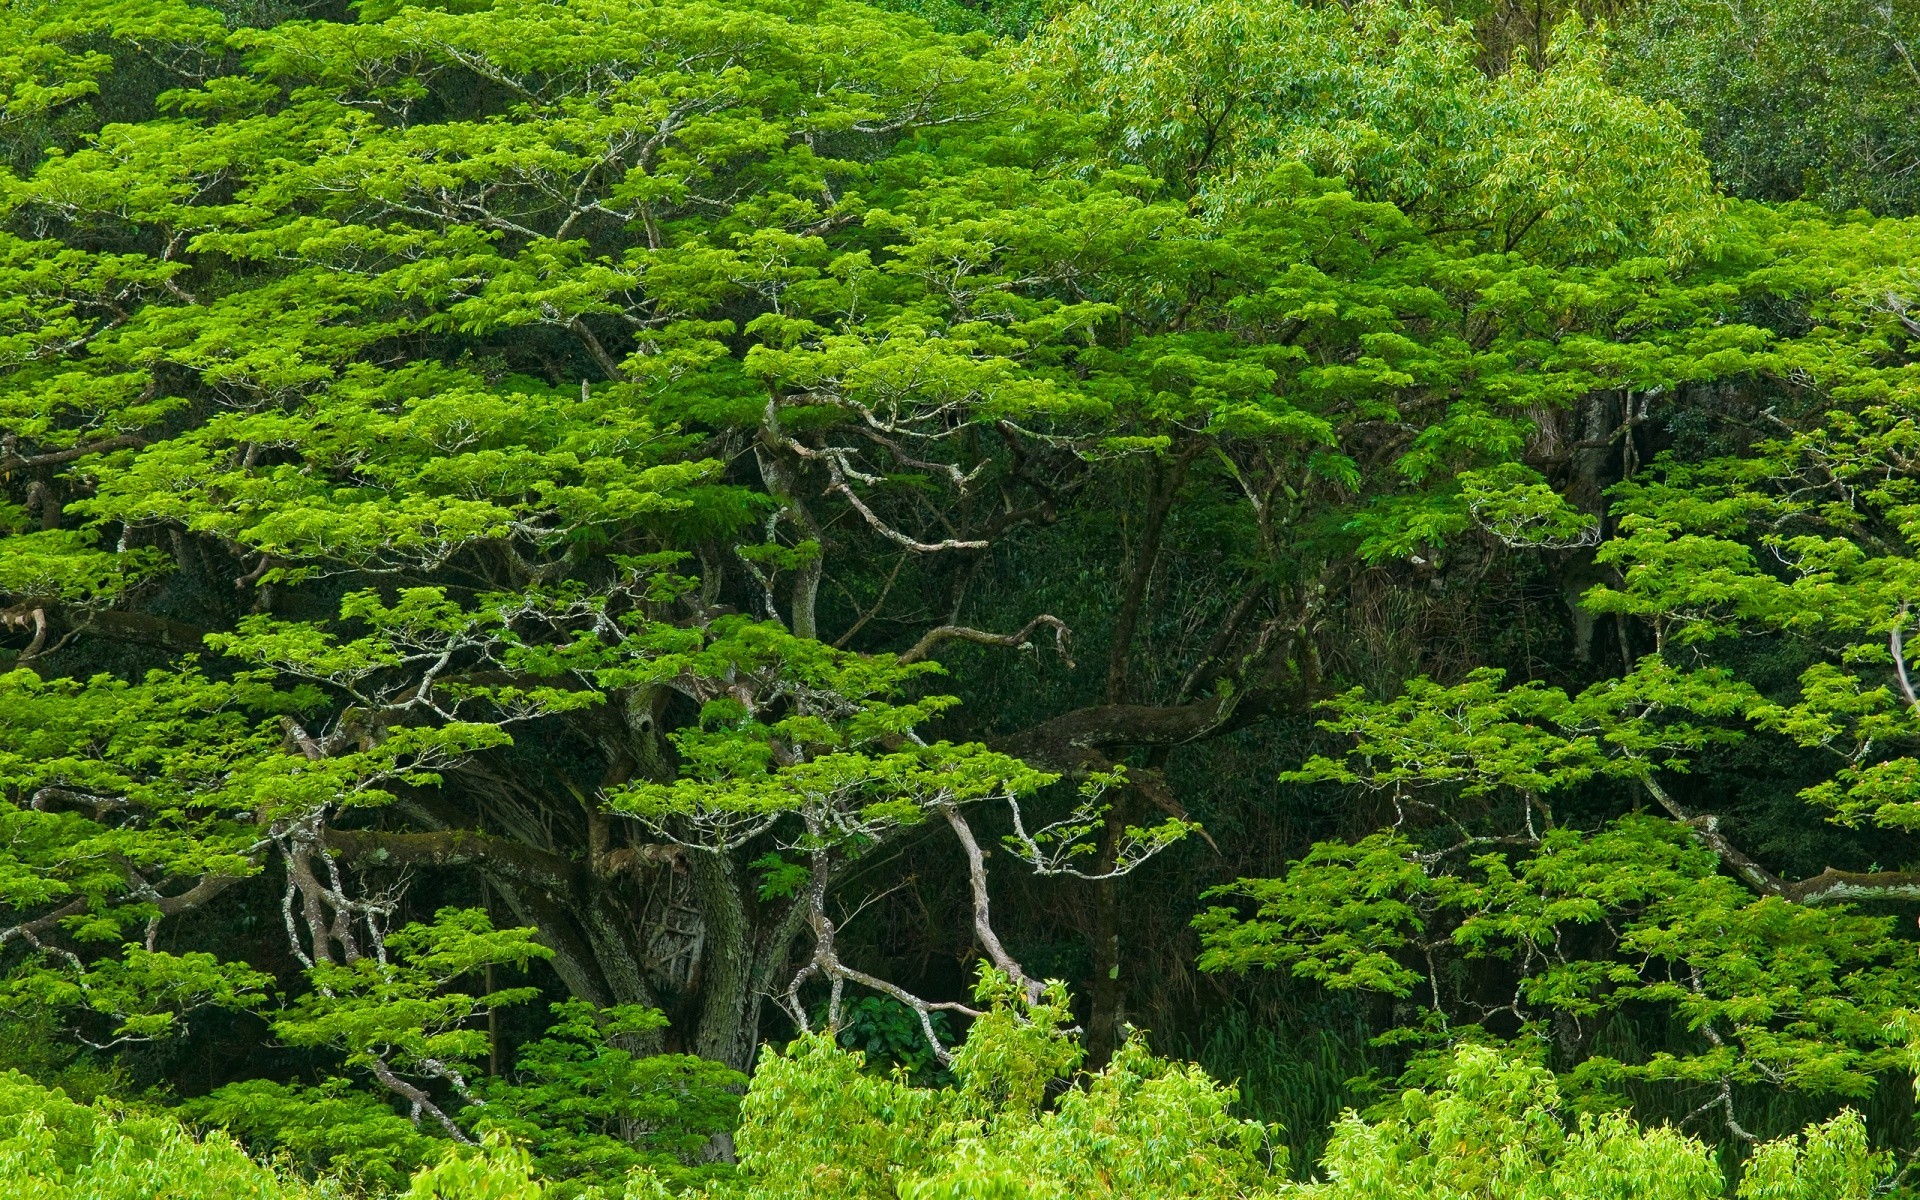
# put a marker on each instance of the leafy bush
(52, 1148)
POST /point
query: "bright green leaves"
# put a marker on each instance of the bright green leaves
(589, 1105)
(1092, 1143)
(40, 73)
(1517, 506)
(1495, 1127)
(414, 651)
(187, 753)
(577, 1095)
(497, 1170)
(144, 996)
(52, 1148)
(58, 566)
(1803, 995)
(1482, 739)
(679, 124)
(1492, 1124)
(1357, 916)
(789, 726)
(332, 1126)
(56, 54)
(402, 1013)
(1584, 925)
(463, 374)
(1481, 905)
(1831, 1159)
(346, 235)
(1340, 917)
(407, 469)
(59, 300)
(817, 1124)
(1806, 535)
(1577, 925)
(1475, 736)
(1388, 96)
(1499, 1126)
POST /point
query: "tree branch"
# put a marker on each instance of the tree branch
(605, 361)
(1828, 887)
(1065, 742)
(200, 893)
(13, 460)
(1834, 887)
(982, 917)
(455, 848)
(946, 633)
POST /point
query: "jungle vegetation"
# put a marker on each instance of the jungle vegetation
(959, 601)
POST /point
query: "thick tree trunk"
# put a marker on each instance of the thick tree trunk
(726, 965)
(574, 960)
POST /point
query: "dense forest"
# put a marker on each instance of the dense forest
(959, 599)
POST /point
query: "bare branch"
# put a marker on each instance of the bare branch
(605, 361)
(945, 633)
(1897, 646)
(837, 472)
(417, 1100)
(1706, 828)
(982, 916)
(1828, 887)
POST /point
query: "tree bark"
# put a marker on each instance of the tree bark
(726, 965)
(1108, 993)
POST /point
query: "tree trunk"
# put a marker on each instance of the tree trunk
(726, 965)
(1109, 990)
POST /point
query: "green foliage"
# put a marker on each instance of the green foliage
(1496, 1128)
(498, 1170)
(816, 1122)
(1503, 903)
(333, 1127)
(52, 1147)
(837, 753)
(1491, 1126)
(888, 1033)
(401, 1015)
(1793, 99)
(591, 1109)
(1792, 996)
(585, 1101)
(1387, 96)
(528, 462)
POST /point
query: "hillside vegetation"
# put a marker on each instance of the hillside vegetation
(959, 601)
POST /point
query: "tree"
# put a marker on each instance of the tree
(52, 1147)
(407, 558)
(1542, 158)
(285, 337)
(607, 502)
(1492, 907)
(1792, 100)
(817, 1124)
(1495, 1128)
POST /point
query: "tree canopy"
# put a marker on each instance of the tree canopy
(786, 597)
